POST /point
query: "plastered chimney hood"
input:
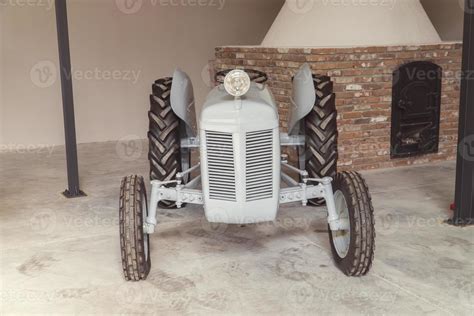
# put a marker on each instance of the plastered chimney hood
(335, 23)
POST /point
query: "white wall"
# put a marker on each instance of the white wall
(150, 42)
(326, 23)
(139, 47)
(2, 124)
(447, 17)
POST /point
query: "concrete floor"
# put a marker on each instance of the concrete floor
(62, 256)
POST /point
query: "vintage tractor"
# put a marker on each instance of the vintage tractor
(238, 178)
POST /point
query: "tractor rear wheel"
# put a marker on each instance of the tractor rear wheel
(353, 248)
(321, 133)
(134, 243)
(164, 137)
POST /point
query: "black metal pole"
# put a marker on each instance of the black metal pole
(464, 197)
(68, 101)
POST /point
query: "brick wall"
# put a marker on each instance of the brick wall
(363, 86)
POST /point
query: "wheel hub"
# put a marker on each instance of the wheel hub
(341, 238)
(146, 237)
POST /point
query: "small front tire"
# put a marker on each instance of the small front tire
(353, 249)
(134, 243)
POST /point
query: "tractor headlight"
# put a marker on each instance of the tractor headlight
(237, 83)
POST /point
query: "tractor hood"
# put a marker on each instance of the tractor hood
(256, 109)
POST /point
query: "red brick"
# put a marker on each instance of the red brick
(364, 142)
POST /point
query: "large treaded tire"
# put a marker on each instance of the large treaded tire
(359, 257)
(134, 244)
(321, 133)
(163, 135)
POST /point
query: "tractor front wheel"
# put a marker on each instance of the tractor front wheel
(353, 248)
(134, 244)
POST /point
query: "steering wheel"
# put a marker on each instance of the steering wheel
(255, 75)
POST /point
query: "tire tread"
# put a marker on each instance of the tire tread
(134, 264)
(359, 259)
(164, 139)
(321, 133)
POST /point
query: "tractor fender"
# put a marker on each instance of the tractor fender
(182, 101)
(303, 98)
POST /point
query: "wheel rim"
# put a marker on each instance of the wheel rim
(341, 238)
(146, 240)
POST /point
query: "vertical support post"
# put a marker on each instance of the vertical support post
(464, 197)
(68, 101)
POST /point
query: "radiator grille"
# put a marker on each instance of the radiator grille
(220, 163)
(259, 165)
